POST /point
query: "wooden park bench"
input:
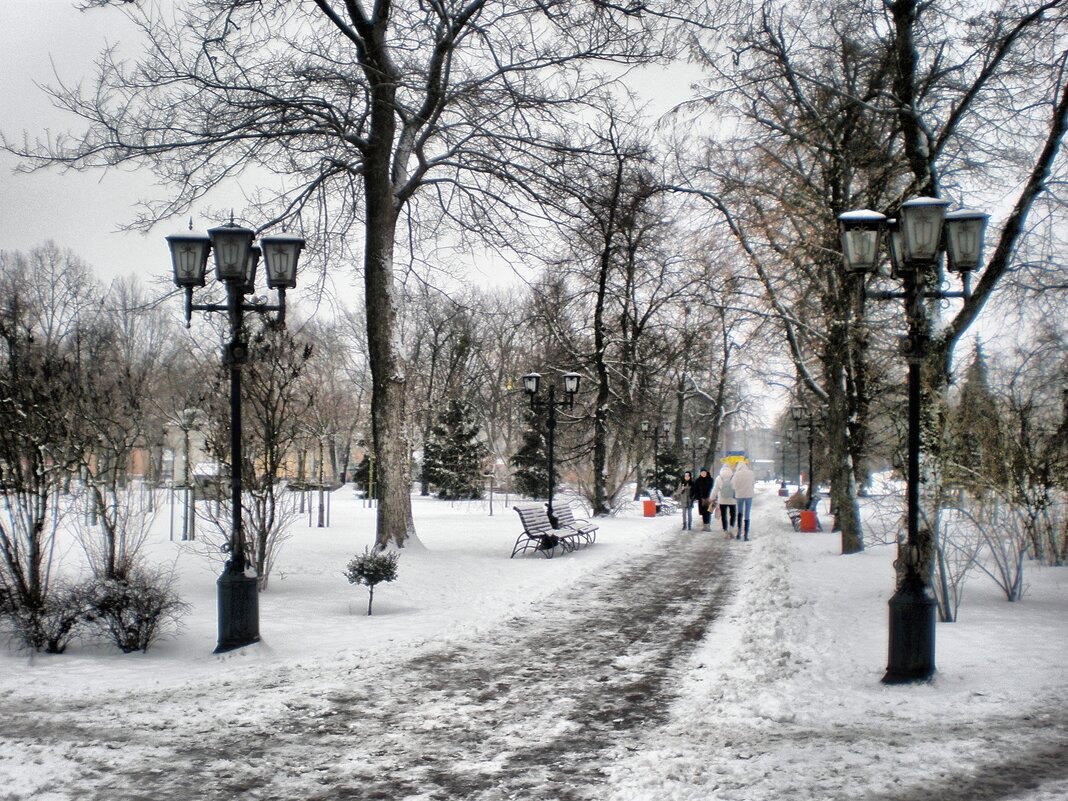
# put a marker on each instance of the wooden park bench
(565, 518)
(539, 535)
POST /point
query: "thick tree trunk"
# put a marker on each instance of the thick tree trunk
(389, 379)
(843, 477)
(600, 449)
(841, 360)
(600, 411)
(388, 375)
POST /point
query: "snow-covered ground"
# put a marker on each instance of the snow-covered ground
(781, 699)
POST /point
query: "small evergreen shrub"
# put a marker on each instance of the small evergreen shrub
(372, 568)
(134, 611)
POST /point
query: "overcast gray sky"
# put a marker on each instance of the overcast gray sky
(39, 38)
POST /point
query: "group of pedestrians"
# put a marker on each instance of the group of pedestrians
(731, 492)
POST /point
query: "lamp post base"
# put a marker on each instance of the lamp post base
(912, 633)
(239, 611)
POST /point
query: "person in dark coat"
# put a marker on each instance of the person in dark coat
(702, 493)
(684, 497)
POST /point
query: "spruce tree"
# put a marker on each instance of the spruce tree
(361, 474)
(671, 470)
(975, 431)
(531, 461)
(453, 454)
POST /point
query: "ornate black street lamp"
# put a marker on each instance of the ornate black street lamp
(916, 244)
(531, 382)
(236, 260)
(654, 435)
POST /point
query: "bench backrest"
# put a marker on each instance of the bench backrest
(564, 515)
(535, 519)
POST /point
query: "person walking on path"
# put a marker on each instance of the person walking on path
(702, 493)
(743, 483)
(723, 495)
(684, 497)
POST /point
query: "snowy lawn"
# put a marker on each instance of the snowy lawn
(781, 700)
(460, 583)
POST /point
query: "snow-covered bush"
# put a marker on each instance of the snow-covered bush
(370, 569)
(134, 611)
(52, 626)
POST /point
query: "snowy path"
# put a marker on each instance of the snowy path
(673, 667)
(528, 711)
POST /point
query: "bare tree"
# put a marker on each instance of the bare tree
(866, 105)
(984, 98)
(335, 410)
(805, 146)
(504, 355)
(1034, 412)
(278, 400)
(40, 444)
(352, 110)
(119, 349)
(623, 285)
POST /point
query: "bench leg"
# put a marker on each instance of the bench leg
(526, 543)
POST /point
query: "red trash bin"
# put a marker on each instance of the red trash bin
(809, 521)
(650, 508)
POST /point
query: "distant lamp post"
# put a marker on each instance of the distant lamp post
(803, 419)
(549, 404)
(236, 261)
(653, 433)
(187, 421)
(916, 242)
(797, 455)
(693, 445)
(489, 476)
(783, 491)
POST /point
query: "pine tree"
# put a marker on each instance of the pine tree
(975, 430)
(531, 461)
(361, 473)
(453, 454)
(671, 470)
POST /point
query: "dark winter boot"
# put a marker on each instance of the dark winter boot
(747, 530)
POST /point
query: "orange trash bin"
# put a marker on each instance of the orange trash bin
(650, 508)
(809, 521)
